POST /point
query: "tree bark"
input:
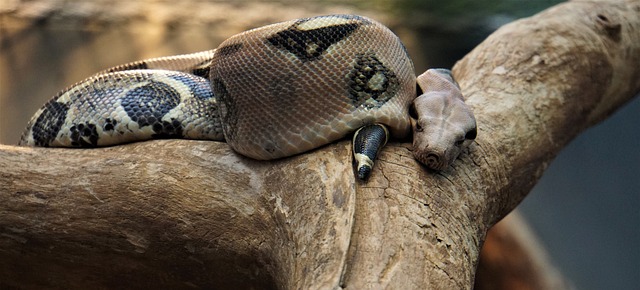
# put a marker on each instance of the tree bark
(194, 214)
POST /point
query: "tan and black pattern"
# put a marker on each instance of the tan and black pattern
(310, 43)
(371, 83)
(193, 63)
(126, 106)
(270, 92)
(329, 75)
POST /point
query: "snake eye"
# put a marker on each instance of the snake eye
(412, 112)
(471, 135)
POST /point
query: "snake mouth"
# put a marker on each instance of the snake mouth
(432, 160)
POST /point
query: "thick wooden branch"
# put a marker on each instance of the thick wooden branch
(180, 214)
(172, 214)
(538, 82)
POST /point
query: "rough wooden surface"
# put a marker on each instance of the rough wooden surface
(173, 214)
(185, 214)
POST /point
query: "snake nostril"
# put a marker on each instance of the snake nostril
(432, 159)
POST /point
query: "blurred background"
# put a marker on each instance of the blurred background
(585, 209)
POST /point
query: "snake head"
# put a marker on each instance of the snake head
(443, 125)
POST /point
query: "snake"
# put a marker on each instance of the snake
(271, 92)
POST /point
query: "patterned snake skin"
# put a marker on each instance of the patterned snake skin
(328, 75)
(271, 92)
(279, 90)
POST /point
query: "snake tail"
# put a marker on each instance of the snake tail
(367, 142)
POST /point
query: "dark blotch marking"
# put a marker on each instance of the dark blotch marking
(366, 68)
(147, 104)
(84, 135)
(227, 106)
(49, 123)
(167, 130)
(309, 45)
(229, 49)
(202, 72)
(109, 124)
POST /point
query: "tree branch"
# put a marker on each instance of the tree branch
(537, 83)
(179, 214)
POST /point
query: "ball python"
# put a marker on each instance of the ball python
(271, 92)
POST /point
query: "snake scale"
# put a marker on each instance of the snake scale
(271, 92)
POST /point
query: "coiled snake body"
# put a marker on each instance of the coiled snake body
(270, 92)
